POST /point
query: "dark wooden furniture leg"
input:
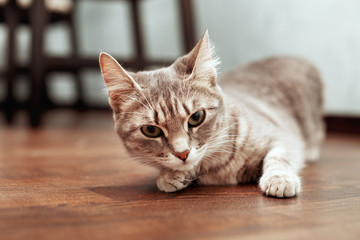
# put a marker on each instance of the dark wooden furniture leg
(38, 19)
(137, 35)
(11, 19)
(188, 28)
(80, 103)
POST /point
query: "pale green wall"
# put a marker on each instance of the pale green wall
(325, 31)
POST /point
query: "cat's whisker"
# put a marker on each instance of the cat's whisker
(128, 163)
(149, 103)
(224, 137)
(217, 146)
(225, 128)
(222, 151)
(222, 144)
(215, 161)
(145, 161)
(212, 150)
(221, 138)
(137, 100)
(226, 143)
(137, 113)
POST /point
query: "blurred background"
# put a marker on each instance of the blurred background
(49, 49)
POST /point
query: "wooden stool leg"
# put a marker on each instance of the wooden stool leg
(38, 20)
(11, 18)
(140, 59)
(188, 27)
(80, 103)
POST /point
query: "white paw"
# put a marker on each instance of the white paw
(172, 181)
(280, 184)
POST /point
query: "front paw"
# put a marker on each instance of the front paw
(172, 181)
(280, 184)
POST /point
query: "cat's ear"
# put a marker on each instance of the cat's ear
(200, 64)
(119, 83)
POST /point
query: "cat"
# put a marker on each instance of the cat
(258, 123)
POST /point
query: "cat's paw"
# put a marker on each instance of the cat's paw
(172, 181)
(280, 184)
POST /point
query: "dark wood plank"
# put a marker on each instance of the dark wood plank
(73, 180)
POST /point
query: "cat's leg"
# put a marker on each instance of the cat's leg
(313, 153)
(280, 167)
(314, 144)
(172, 181)
(314, 131)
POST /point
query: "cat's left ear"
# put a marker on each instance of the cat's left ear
(200, 64)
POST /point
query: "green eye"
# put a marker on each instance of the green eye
(197, 118)
(151, 131)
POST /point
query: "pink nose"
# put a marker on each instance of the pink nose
(183, 155)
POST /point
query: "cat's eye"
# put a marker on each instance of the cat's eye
(151, 131)
(196, 119)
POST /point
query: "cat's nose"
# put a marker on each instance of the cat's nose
(183, 155)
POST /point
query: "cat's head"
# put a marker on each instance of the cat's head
(167, 117)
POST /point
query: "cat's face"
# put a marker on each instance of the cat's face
(167, 117)
(170, 123)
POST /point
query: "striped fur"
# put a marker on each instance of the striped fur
(261, 120)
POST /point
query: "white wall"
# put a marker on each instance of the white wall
(325, 31)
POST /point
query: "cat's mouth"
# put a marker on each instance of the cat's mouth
(194, 158)
(185, 166)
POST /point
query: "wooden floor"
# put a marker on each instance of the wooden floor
(73, 180)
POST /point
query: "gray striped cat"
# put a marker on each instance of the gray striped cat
(260, 122)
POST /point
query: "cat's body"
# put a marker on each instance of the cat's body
(276, 104)
(260, 122)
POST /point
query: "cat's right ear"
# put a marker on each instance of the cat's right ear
(119, 83)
